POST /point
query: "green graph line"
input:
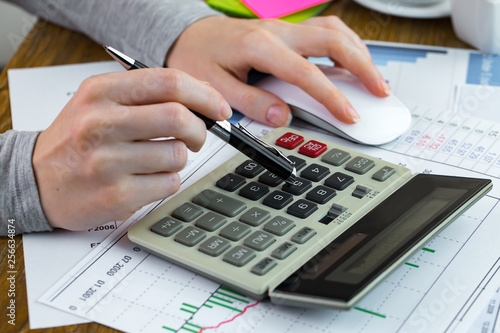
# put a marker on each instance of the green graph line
(231, 291)
(412, 265)
(428, 250)
(222, 299)
(169, 329)
(370, 312)
(224, 305)
(230, 296)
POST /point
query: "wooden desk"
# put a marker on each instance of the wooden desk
(47, 45)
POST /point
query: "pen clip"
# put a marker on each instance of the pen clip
(266, 145)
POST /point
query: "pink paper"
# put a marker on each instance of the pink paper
(278, 8)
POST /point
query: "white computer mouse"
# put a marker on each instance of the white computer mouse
(382, 119)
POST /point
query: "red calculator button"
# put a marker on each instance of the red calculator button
(289, 140)
(313, 148)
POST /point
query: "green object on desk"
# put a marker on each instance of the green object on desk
(238, 9)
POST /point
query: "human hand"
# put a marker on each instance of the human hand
(96, 162)
(222, 50)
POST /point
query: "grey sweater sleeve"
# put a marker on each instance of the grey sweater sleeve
(19, 200)
(143, 29)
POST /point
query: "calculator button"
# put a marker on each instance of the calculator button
(187, 212)
(279, 225)
(249, 169)
(289, 140)
(336, 157)
(315, 172)
(277, 199)
(299, 186)
(383, 173)
(336, 210)
(214, 246)
(339, 181)
(254, 191)
(264, 266)
(321, 194)
(235, 231)
(270, 179)
(302, 208)
(239, 255)
(255, 216)
(360, 165)
(167, 226)
(313, 148)
(190, 236)
(303, 235)
(211, 221)
(284, 250)
(360, 191)
(259, 240)
(220, 203)
(297, 162)
(230, 182)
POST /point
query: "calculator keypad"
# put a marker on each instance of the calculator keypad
(247, 218)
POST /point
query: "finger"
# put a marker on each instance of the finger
(133, 123)
(255, 103)
(139, 190)
(159, 85)
(146, 157)
(334, 23)
(333, 39)
(307, 76)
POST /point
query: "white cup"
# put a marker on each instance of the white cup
(419, 2)
(477, 22)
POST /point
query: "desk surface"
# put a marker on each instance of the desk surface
(43, 47)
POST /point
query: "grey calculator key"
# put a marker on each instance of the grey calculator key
(315, 172)
(211, 221)
(214, 246)
(279, 225)
(303, 235)
(297, 162)
(302, 208)
(167, 226)
(339, 181)
(235, 231)
(284, 250)
(360, 191)
(239, 255)
(249, 169)
(220, 203)
(187, 212)
(190, 236)
(263, 266)
(360, 165)
(255, 216)
(277, 199)
(230, 182)
(299, 186)
(259, 240)
(336, 157)
(383, 173)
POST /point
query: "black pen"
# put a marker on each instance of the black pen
(238, 137)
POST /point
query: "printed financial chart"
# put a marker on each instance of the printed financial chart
(123, 287)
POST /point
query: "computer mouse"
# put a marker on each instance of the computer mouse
(383, 119)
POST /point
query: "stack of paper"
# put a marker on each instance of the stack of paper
(288, 10)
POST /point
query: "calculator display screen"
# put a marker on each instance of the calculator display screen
(348, 265)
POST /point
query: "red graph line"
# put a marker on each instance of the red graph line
(230, 320)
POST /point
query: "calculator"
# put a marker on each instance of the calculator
(324, 240)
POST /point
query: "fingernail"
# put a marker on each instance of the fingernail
(226, 110)
(278, 116)
(349, 110)
(385, 87)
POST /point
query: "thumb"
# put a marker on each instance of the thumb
(254, 102)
